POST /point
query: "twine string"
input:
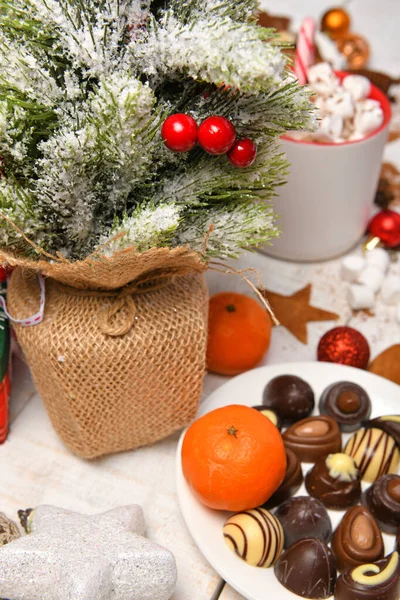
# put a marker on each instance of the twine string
(228, 270)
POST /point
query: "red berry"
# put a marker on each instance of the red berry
(179, 132)
(243, 153)
(216, 135)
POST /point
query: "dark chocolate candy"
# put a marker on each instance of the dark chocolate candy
(313, 437)
(357, 540)
(388, 423)
(290, 396)
(272, 415)
(383, 500)
(291, 482)
(376, 581)
(303, 516)
(347, 403)
(375, 453)
(307, 569)
(334, 479)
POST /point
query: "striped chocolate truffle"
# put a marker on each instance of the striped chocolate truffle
(375, 453)
(254, 535)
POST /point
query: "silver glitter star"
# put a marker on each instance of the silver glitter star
(69, 556)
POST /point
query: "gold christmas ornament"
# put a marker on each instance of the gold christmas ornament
(355, 49)
(335, 22)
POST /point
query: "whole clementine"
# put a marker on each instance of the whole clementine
(239, 333)
(233, 458)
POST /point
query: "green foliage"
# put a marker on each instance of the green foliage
(84, 88)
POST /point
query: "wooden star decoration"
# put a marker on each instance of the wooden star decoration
(72, 556)
(387, 364)
(294, 312)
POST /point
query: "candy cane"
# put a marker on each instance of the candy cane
(305, 50)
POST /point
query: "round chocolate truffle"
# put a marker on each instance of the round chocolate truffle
(383, 500)
(291, 482)
(254, 535)
(304, 516)
(375, 581)
(290, 396)
(334, 479)
(272, 415)
(313, 437)
(375, 453)
(307, 569)
(347, 402)
(357, 540)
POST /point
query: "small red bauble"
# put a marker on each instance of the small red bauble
(216, 135)
(179, 132)
(386, 226)
(243, 153)
(345, 346)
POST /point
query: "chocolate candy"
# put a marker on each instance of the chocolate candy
(254, 535)
(376, 581)
(357, 540)
(291, 482)
(307, 569)
(375, 453)
(303, 516)
(347, 403)
(383, 500)
(291, 397)
(334, 479)
(313, 437)
(398, 541)
(390, 424)
(270, 414)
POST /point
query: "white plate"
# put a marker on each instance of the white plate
(205, 525)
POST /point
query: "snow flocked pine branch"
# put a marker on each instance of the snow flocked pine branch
(84, 89)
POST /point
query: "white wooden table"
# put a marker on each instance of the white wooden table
(35, 468)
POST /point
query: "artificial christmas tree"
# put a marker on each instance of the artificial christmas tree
(117, 220)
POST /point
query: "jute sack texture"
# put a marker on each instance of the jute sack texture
(119, 358)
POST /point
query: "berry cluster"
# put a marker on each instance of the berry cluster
(216, 135)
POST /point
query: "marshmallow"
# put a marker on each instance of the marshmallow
(390, 293)
(340, 103)
(358, 86)
(351, 267)
(360, 297)
(372, 277)
(328, 51)
(368, 117)
(378, 257)
(322, 79)
(330, 128)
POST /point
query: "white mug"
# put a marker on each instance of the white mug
(325, 206)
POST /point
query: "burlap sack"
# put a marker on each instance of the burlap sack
(119, 358)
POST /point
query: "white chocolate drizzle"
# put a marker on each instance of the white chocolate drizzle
(359, 574)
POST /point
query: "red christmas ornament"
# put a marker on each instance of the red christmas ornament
(179, 132)
(243, 153)
(216, 135)
(386, 226)
(3, 274)
(345, 346)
